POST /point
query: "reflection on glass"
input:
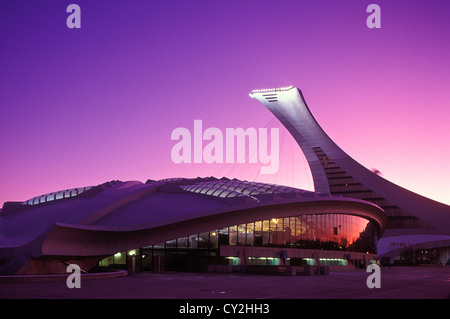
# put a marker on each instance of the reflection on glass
(203, 240)
(214, 239)
(250, 238)
(322, 231)
(242, 234)
(171, 243)
(193, 241)
(182, 242)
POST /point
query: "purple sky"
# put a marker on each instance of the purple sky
(83, 106)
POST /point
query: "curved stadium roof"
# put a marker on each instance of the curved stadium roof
(117, 216)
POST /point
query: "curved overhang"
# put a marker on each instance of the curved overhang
(91, 240)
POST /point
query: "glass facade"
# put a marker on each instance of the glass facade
(322, 231)
(236, 188)
(327, 231)
(56, 195)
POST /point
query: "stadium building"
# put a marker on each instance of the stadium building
(186, 224)
(210, 224)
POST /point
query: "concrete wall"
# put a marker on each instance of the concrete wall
(44, 266)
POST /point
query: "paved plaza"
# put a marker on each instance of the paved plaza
(396, 283)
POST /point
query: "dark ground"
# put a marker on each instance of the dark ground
(396, 283)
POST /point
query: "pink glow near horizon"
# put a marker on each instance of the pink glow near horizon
(81, 107)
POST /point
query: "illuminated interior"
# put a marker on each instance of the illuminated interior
(335, 232)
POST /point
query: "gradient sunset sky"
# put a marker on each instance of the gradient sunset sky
(80, 107)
